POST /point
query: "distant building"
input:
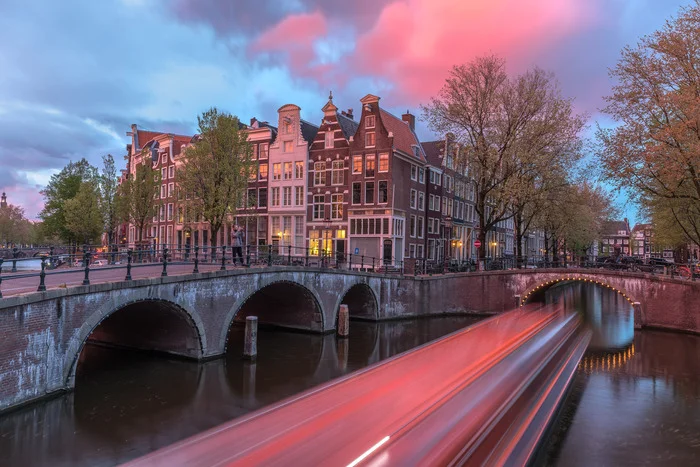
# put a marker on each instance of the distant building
(615, 238)
(3, 200)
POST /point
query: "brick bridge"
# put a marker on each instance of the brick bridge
(191, 315)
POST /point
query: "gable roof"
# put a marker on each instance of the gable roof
(347, 125)
(433, 152)
(145, 137)
(404, 139)
(612, 227)
(308, 131)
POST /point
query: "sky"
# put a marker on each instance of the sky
(75, 74)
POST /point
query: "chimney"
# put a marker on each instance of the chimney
(409, 118)
(349, 114)
(253, 121)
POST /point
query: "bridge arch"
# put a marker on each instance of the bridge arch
(283, 303)
(143, 322)
(361, 300)
(541, 287)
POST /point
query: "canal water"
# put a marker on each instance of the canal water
(127, 404)
(635, 399)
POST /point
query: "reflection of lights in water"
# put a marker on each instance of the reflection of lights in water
(606, 362)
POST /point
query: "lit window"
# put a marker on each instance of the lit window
(357, 164)
(384, 162)
(370, 139)
(369, 121)
(337, 206)
(319, 173)
(287, 170)
(370, 165)
(263, 171)
(299, 170)
(288, 146)
(277, 171)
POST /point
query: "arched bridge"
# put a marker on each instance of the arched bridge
(190, 315)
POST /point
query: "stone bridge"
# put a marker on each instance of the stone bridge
(191, 315)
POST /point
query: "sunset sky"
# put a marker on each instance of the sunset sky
(75, 74)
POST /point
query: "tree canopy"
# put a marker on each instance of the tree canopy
(82, 213)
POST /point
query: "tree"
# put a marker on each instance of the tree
(216, 169)
(135, 199)
(508, 128)
(62, 187)
(83, 215)
(108, 183)
(655, 150)
(14, 227)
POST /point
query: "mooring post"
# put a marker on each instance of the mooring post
(343, 321)
(250, 345)
(342, 349)
(517, 301)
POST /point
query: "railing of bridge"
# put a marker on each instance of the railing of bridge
(54, 261)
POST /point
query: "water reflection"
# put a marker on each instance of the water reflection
(128, 404)
(636, 397)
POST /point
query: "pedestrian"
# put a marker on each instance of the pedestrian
(237, 237)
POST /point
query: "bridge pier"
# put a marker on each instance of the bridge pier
(250, 346)
(638, 322)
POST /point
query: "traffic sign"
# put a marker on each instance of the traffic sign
(477, 244)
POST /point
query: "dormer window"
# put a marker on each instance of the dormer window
(369, 121)
(370, 139)
(330, 135)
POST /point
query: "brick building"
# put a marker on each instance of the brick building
(615, 238)
(329, 183)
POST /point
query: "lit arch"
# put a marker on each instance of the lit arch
(551, 283)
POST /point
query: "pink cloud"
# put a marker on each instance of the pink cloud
(414, 43)
(294, 37)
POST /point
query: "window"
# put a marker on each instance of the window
(288, 147)
(412, 250)
(298, 196)
(319, 207)
(356, 193)
(420, 227)
(275, 225)
(438, 177)
(382, 193)
(253, 174)
(287, 127)
(370, 165)
(412, 227)
(299, 170)
(337, 176)
(357, 164)
(337, 206)
(369, 193)
(330, 135)
(430, 225)
(275, 196)
(163, 189)
(414, 172)
(444, 205)
(369, 121)
(287, 196)
(314, 237)
(370, 139)
(277, 171)
(287, 170)
(262, 198)
(384, 162)
(299, 227)
(171, 171)
(252, 197)
(319, 173)
(264, 148)
(450, 205)
(431, 202)
(421, 201)
(171, 189)
(164, 157)
(263, 171)
(162, 212)
(414, 195)
(170, 211)
(421, 175)
(163, 173)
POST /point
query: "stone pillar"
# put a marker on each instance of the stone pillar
(250, 346)
(637, 315)
(343, 321)
(517, 301)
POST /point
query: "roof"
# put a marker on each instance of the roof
(146, 136)
(308, 131)
(347, 125)
(404, 138)
(433, 151)
(612, 227)
(639, 227)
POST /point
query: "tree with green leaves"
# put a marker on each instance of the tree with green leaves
(62, 187)
(135, 199)
(83, 214)
(108, 184)
(216, 169)
(14, 226)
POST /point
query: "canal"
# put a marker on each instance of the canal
(635, 399)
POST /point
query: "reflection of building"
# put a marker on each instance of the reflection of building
(329, 183)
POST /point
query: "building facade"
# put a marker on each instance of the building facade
(615, 238)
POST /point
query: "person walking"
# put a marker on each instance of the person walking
(237, 243)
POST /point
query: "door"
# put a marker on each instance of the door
(340, 250)
(387, 252)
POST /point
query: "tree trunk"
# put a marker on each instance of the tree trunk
(214, 229)
(518, 223)
(482, 249)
